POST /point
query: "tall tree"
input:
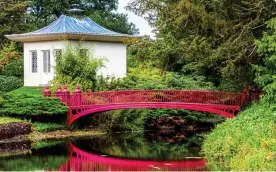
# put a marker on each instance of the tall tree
(114, 21)
(213, 38)
(45, 11)
(266, 73)
(12, 17)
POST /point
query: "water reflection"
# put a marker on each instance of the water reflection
(146, 146)
(151, 151)
(83, 161)
(119, 152)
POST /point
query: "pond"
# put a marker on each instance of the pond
(149, 151)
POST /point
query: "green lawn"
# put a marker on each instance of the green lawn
(33, 91)
(7, 120)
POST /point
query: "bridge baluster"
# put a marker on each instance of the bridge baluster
(59, 92)
(47, 92)
(66, 96)
(77, 97)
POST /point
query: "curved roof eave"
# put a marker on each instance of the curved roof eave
(66, 27)
(69, 36)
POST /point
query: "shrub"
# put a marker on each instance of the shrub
(9, 83)
(75, 67)
(29, 103)
(146, 77)
(8, 54)
(30, 91)
(14, 68)
(246, 143)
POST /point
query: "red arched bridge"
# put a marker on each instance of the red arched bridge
(84, 161)
(225, 104)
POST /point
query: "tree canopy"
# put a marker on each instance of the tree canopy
(12, 17)
(207, 37)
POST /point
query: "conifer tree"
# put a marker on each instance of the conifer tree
(13, 18)
(214, 38)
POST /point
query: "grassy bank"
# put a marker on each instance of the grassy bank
(7, 120)
(247, 142)
(63, 134)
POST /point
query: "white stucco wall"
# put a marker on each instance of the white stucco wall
(115, 53)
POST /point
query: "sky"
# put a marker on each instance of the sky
(140, 23)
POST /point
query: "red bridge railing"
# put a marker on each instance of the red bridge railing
(137, 96)
(80, 104)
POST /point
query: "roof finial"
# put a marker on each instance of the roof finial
(75, 10)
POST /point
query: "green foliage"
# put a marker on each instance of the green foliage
(46, 10)
(146, 77)
(114, 21)
(1, 100)
(76, 67)
(143, 77)
(266, 74)
(132, 61)
(135, 119)
(126, 120)
(48, 127)
(28, 105)
(12, 17)
(9, 83)
(210, 38)
(30, 91)
(6, 120)
(9, 53)
(102, 12)
(14, 68)
(246, 143)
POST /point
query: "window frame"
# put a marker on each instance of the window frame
(32, 61)
(48, 63)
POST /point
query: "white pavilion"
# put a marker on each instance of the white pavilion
(42, 46)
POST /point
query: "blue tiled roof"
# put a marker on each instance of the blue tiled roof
(66, 24)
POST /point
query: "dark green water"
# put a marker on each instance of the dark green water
(117, 152)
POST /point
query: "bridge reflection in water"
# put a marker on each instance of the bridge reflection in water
(84, 161)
